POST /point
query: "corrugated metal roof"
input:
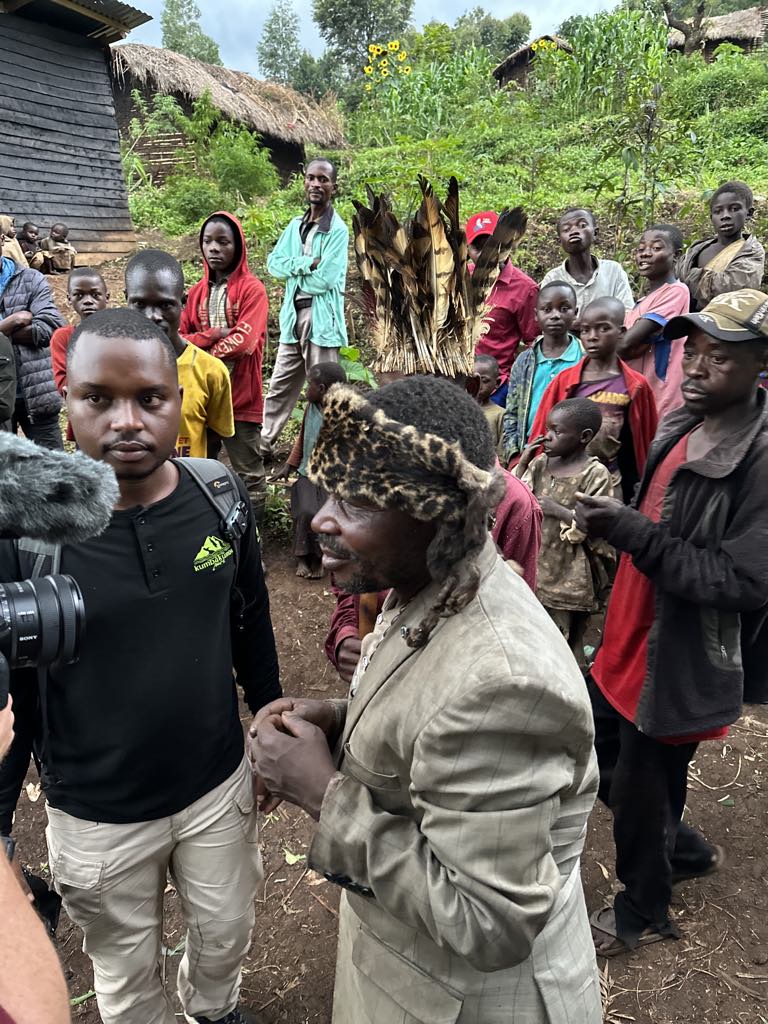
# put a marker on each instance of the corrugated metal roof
(113, 10)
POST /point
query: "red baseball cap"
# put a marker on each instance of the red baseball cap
(481, 224)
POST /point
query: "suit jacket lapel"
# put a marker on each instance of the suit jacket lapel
(387, 659)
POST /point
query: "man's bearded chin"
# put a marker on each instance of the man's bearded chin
(360, 583)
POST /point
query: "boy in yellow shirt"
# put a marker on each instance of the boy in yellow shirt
(154, 286)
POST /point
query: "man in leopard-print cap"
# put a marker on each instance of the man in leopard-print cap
(452, 788)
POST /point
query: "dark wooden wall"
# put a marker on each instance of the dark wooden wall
(59, 144)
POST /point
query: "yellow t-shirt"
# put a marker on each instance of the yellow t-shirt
(206, 401)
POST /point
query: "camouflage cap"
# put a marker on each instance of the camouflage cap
(734, 316)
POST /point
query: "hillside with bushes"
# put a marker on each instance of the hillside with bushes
(621, 124)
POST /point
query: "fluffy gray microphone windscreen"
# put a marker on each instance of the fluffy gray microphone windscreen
(53, 496)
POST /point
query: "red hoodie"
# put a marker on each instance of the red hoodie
(643, 418)
(246, 310)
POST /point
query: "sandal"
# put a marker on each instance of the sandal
(603, 921)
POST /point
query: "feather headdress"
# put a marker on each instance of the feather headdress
(427, 309)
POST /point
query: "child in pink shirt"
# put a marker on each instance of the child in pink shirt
(644, 346)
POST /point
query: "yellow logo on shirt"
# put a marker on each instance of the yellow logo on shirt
(213, 554)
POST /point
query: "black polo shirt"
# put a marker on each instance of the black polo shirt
(147, 720)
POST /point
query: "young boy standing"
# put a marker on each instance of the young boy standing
(489, 372)
(589, 276)
(733, 258)
(307, 498)
(154, 286)
(226, 314)
(555, 350)
(694, 562)
(644, 346)
(573, 572)
(623, 395)
(87, 294)
(511, 321)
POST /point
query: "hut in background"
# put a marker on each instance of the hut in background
(286, 121)
(745, 29)
(59, 138)
(517, 66)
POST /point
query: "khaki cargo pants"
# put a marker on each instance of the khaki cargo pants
(112, 879)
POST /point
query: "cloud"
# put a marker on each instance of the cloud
(237, 25)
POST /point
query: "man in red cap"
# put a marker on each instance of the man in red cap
(512, 316)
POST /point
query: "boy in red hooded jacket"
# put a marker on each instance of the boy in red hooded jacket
(624, 395)
(226, 314)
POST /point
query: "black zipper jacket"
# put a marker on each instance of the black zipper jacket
(708, 560)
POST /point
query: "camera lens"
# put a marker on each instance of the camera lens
(42, 621)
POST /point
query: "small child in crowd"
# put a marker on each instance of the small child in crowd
(573, 573)
(555, 350)
(487, 369)
(29, 240)
(306, 498)
(58, 254)
(623, 395)
(511, 318)
(731, 260)
(11, 247)
(87, 294)
(589, 276)
(644, 346)
(226, 314)
(154, 286)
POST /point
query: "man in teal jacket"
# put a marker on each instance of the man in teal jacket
(311, 257)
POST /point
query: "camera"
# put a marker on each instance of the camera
(42, 622)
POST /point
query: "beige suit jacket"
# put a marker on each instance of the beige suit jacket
(457, 819)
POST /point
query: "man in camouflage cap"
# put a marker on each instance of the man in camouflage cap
(692, 581)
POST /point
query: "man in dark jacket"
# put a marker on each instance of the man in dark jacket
(695, 562)
(28, 316)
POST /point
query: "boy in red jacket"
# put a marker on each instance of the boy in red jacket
(226, 314)
(624, 396)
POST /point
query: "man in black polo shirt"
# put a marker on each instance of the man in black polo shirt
(142, 745)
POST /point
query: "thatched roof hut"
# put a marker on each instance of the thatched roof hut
(286, 120)
(516, 66)
(746, 29)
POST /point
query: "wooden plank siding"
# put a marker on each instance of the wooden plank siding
(59, 139)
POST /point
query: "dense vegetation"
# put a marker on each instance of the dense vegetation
(622, 125)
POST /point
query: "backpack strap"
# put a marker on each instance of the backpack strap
(219, 487)
(38, 558)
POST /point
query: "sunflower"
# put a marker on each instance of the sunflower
(385, 73)
(368, 69)
(402, 56)
(394, 46)
(377, 50)
(407, 69)
(384, 63)
(372, 48)
(368, 86)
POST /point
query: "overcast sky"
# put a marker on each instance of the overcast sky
(236, 25)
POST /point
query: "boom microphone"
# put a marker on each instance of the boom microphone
(52, 496)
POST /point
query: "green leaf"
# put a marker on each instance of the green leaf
(293, 858)
(727, 801)
(352, 354)
(79, 1000)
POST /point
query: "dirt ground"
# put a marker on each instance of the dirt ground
(717, 973)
